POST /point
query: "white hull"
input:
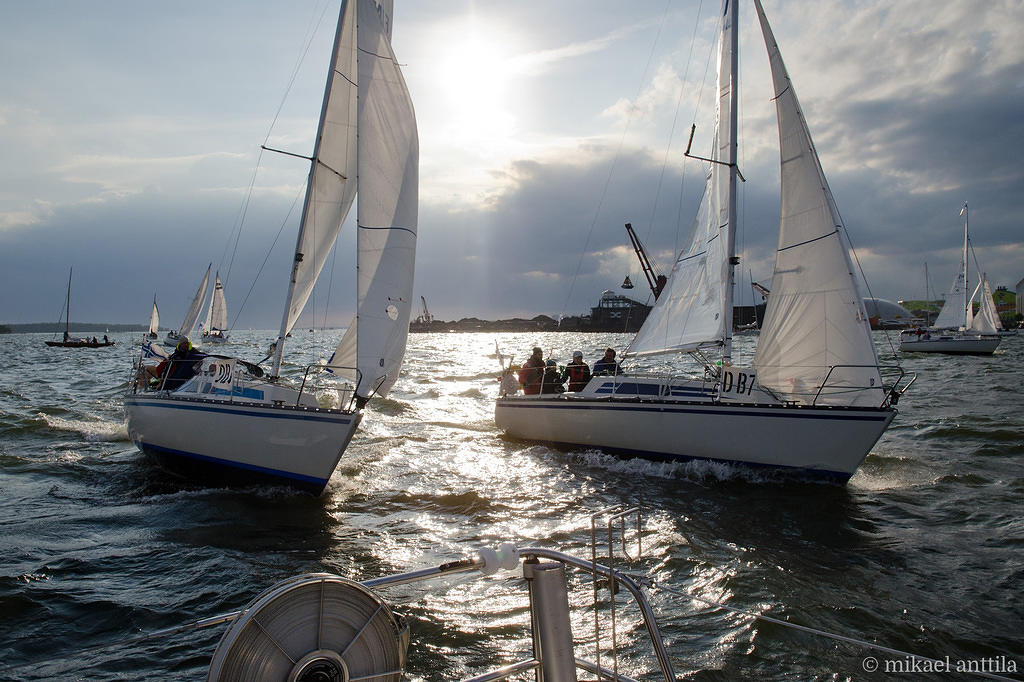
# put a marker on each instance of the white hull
(234, 442)
(823, 441)
(954, 344)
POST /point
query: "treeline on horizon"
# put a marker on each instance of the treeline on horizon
(74, 328)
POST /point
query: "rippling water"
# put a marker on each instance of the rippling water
(921, 551)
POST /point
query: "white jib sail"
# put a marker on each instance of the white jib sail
(154, 319)
(218, 309)
(196, 307)
(693, 310)
(388, 172)
(987, 319)
(815, 344)
(332, 178)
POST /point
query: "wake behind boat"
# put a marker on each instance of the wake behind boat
(816, 398)
(227, 421)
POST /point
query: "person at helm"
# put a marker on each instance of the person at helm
(178, 367)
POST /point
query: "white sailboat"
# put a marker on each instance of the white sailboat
(957, 331)
(154, 321)
(814, 400)
(192, 316)
(227, 422)
(216, 326)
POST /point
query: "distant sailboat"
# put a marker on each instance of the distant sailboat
(227, 423)
(957, 331)
(216, 327)
(154, 321)
(192, 316)
(815, 399)
(67, 341)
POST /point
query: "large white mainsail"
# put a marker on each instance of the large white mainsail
(387, 213)
(197, 305)
(695, 310)
(815, 343)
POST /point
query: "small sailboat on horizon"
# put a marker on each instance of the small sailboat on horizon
(816, 399)
(67, 341)
(957, 330)
(216, 326)
(153, 332)
(230, 423)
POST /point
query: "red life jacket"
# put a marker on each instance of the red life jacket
(579, 376)
(530, 376)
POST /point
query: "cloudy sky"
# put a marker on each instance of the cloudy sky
(130, 136)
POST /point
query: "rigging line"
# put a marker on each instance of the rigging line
(693, 122)
(267, 257)
(672, 130)
(611, 168)
(310, 33)
(864, 278)
(813, 631)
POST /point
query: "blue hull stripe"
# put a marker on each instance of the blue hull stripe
(267, 413)
(276, 473)
(710, 410)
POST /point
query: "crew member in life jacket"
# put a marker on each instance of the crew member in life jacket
(532, 373)
(552, 381)
(577, 372)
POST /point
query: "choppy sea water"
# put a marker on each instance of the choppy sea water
(921, 551)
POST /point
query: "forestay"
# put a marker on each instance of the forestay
(815, 343)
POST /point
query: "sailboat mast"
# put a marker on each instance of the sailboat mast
(732, 23)
(67, 312)
(307, 202)
(968, 306)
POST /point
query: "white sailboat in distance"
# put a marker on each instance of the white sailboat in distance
(957, 331)
(192, 316)
(215, 330)
(154, 321)
(228, 423)
(814, 400)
